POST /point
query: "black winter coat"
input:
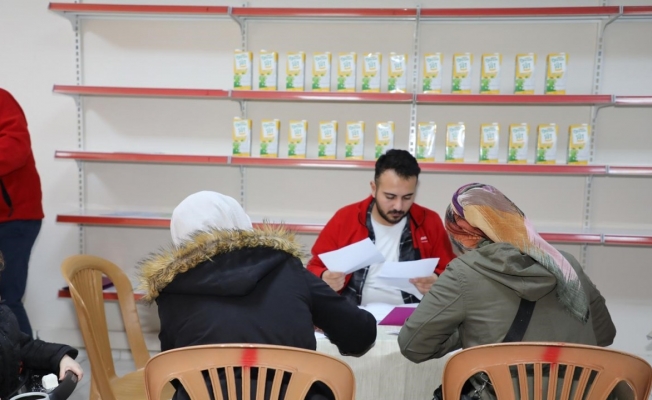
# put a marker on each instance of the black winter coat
(249, 287)
(18, 350)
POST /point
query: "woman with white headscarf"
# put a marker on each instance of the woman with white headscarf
(224, 281)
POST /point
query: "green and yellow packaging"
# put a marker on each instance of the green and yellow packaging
(524, 76)
(426, 141)
(346, 68)
(269, 130)
(557, 65)
(547, 144)
(397, 76)
(432, 72)
(242, 61)
(518, 140)
(489, 142)
(297, 138)
(490, 73)
(268, 70)
(384, 137)
(354, 140)
(455, 142)
(327, 140)
(241, 137)
(462, 63)
(579, 144)
(295, 71)
(371, 72)
(321, 72)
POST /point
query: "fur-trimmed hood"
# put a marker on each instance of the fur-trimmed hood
(231, 262)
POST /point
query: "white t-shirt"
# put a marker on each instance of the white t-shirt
(388, 241)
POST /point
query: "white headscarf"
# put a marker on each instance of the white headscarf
(204, 211)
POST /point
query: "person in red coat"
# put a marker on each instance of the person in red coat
(401, 230)
(21, 211)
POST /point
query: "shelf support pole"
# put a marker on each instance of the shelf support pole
(81, 134)
(243, 103)
(412, 140)
(598, 72)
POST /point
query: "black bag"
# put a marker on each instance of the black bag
(514, 334)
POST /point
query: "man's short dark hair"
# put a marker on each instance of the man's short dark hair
(401, 161)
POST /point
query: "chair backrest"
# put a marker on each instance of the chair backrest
(191, 364)
(558, 370)
(83, 273)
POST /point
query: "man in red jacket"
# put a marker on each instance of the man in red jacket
(21, 211)
(401, 230)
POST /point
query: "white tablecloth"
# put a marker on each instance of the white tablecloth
(383, 373)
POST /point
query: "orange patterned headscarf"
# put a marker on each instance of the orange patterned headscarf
(481, 212)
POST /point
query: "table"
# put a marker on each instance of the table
(383, 373)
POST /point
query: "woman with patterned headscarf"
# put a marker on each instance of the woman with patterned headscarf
(503, 260)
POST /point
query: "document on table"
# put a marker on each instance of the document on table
(352, 257)
(398, 274)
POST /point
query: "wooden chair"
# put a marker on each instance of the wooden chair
(83, 273)
(191, 364)
(561, 370)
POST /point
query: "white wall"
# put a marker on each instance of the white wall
(37, 51)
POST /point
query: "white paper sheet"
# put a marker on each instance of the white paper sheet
(352, 257)
(398, 274)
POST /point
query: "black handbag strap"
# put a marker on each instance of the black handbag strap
(521, 321)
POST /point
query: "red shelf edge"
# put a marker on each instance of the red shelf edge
(114, 221)
(316, 229)
(572, 238)
(132, 91)
(259, 95)
(141, 158)
(544, 169)
(624, 240)
(321, 96)
(521, 12)
(637, 10)
(516, 99)
(629, 171)
(633, 101)
(110, 296)
(298, 12)
(137, 9)
(302, 162)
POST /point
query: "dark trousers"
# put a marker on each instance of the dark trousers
(16, 241)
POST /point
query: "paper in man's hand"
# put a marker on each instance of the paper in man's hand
(352, 257)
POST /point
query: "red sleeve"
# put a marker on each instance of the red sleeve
(15, 146)
(326, 241)
(440, 244)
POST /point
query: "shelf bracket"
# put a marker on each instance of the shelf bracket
(412, 140)
(242, 22)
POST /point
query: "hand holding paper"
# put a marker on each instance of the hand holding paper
(398, 274)
(352, 257)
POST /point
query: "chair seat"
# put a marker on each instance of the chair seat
(132, 386)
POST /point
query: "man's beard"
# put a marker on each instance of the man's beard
(386, 216)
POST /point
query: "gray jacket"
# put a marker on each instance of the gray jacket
(475, 300)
